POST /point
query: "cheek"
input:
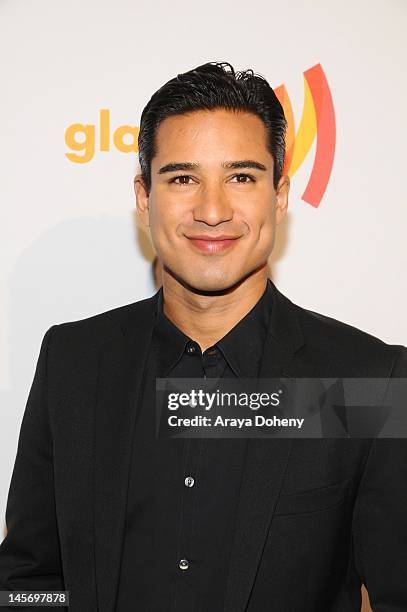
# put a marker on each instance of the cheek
(165, 222)
(162, 216)
(262, 230)
(260, 218)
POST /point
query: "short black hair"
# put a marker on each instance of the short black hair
(210, 86)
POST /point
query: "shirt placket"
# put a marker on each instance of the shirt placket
(208, 365)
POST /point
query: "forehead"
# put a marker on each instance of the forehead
(215, 133)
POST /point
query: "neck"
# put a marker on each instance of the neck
(207, 318)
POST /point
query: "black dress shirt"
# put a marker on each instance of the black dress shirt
(183, 493)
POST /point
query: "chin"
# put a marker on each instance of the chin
(211, 284)
(206, 279)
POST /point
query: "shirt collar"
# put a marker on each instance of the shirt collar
(242, 346)
(171, 340)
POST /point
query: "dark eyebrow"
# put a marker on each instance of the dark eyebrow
(231, 165)
(176, 166)
(245, 163)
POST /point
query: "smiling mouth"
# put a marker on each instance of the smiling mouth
(210, 244)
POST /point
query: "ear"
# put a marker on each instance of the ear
(142, 196)
(282, 190)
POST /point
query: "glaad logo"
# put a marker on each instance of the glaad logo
(124, 138)
(317, 122)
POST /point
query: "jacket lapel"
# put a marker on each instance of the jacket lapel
(267, 459)
(120, 372)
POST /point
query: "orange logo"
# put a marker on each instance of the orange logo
(317, 121)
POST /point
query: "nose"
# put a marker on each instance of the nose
(212, 205)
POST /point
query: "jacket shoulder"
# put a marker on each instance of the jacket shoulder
(344, 344)
(98, 328)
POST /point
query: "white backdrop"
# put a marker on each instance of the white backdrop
(70, 245)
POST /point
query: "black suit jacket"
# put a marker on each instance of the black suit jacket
(316, 517)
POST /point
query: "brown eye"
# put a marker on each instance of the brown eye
(250, 178)
(183, 179)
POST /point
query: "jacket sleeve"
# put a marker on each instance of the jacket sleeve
(380, 519)
(30, 553)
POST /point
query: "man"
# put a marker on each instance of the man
(126, 521)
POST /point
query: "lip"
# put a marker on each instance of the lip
(213, 244)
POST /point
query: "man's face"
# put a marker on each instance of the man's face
(212, 207)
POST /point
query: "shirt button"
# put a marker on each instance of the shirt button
(191, 348)
(183, 564)
(189, 481)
